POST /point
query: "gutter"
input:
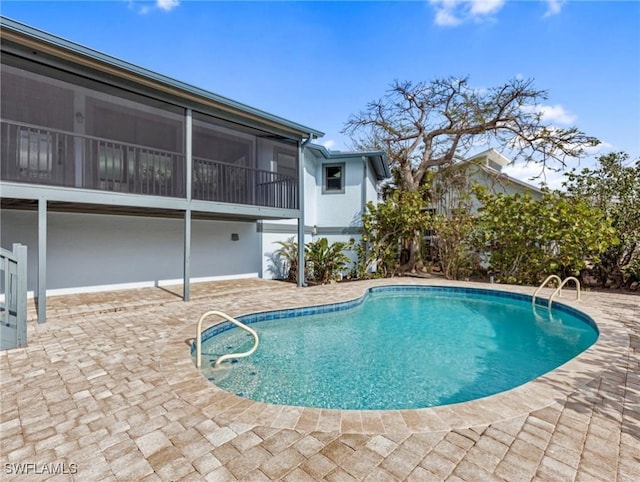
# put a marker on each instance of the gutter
(364, 184)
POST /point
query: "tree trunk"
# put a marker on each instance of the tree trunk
(415, 262)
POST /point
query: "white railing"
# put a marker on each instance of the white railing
(544, 283)
(13, 297)
(228, 356)
(559, 290)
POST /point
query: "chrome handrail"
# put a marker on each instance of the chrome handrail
(228, 356)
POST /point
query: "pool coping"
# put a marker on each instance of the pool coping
(550, 389)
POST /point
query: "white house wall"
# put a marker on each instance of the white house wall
(312, 189)
(372, 185)
(334, 216)
(88, 252)
(341, 209)
(504, 186)
(501, 186)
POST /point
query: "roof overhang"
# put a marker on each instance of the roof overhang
(33, 43)
(493, 156)
(378, 159)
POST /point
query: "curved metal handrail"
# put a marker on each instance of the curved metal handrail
(228, 356)
(570, 278)
(549, 278)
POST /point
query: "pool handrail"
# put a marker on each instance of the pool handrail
(222, 358)
(558, 290)
(549, 278)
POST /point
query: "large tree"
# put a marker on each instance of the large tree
(424, 126)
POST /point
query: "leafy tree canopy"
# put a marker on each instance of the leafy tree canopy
(530, 239)
(613, 186)
(388, 225)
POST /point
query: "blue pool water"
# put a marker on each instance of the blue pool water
(398, 348)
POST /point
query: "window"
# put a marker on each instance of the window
(36, 154)
(333, 179)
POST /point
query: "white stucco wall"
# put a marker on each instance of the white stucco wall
(341, 209)
(324, 211)
(499, 185)
(86, 252)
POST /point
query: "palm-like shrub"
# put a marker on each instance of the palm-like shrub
(326, 261)
(288, 252)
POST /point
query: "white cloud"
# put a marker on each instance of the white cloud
(600, 149)
(328, 144)
(485, 7)
(554, 7)
(450, 13)
(552, 113)
(445, 18)
(145, 7)
(167, 5)
(535, 174)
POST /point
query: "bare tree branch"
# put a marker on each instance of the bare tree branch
(424, 126)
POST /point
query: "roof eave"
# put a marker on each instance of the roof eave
(51, 44)
(378, 159)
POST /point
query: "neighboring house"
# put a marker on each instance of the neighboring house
(484, 169)
(115, 176)
(452, 187)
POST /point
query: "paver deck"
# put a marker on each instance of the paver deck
(106, 390)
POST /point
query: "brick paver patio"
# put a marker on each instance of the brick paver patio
(106, 390)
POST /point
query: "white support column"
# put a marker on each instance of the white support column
(42, 260)
(187, 214)
(187, 255)
(301, 273)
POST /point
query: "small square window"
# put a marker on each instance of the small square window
(333, 178)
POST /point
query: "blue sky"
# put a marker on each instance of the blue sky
(317, 62)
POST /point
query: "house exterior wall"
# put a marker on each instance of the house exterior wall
(335, 216)
(504, 185)
(345, 208)
(89, 252)
(495, 181)
(92, 136)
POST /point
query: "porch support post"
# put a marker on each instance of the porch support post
(187, 254)
(42, 260)
(187, 214)
(301, 273)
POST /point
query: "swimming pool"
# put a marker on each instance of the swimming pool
(398, 347)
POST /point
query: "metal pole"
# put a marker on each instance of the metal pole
(301, 274)
(42, 260)
(187, 214)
